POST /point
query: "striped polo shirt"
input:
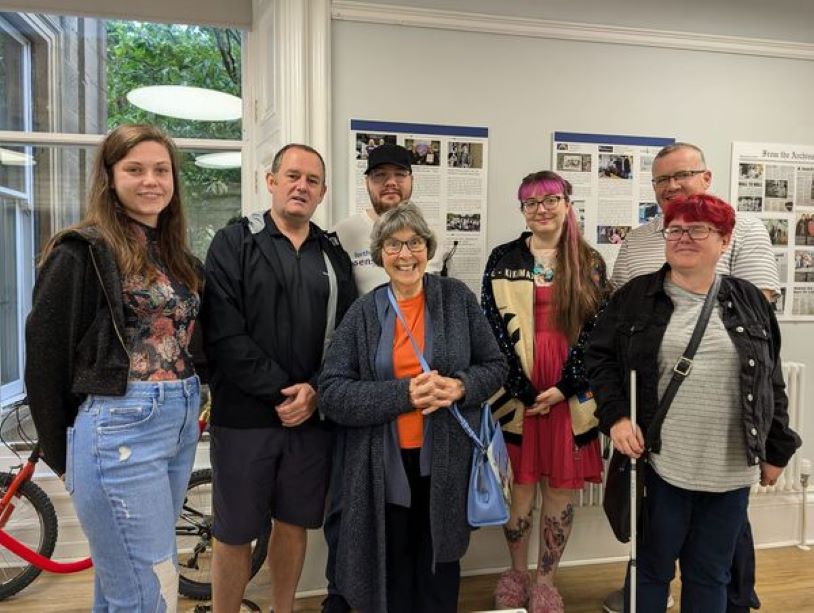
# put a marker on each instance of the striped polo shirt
(749, 255)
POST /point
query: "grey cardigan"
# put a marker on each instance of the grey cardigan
(463, 346)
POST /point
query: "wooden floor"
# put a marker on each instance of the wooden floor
(785, 585)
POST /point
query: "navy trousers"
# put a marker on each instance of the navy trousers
(741, 591)
(699, 529)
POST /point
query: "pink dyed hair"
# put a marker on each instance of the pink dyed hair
(576, 295)
(545, 183)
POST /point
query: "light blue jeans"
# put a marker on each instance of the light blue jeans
(128, 465)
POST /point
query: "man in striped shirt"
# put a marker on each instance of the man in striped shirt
(681, 170)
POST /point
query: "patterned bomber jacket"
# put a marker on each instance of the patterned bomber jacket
(507, 298)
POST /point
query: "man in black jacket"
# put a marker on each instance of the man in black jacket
(276, 287)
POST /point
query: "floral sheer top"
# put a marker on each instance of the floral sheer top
(159, 319)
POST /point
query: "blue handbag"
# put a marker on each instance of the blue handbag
(490, 476)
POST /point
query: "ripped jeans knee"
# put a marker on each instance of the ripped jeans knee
(131, 457)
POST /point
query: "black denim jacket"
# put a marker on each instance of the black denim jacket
(628, 336)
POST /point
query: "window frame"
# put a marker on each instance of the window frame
(14, 390)
(46, 31)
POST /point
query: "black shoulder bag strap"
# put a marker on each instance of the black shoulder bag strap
(682, 367)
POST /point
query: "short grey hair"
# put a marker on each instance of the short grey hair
(665, 151)
(405, 215)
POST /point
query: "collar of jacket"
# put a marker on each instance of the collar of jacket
(522, 244)
(656, 284)
(104, 263)
(256, 223)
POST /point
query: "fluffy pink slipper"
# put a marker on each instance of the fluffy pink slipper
(545, 598)
(512, 590)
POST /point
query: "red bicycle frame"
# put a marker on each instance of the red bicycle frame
(7, 508)
(15, 546)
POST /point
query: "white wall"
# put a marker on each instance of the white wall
(524, 89)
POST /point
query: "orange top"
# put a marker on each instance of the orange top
(406, 365)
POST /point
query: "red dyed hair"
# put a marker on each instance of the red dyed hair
(702, 208)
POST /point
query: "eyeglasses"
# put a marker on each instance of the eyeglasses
(696, 233)
(393, 246)
(549, 203)
(682, 176)
(380, 176)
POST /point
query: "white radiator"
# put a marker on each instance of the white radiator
(794, 374)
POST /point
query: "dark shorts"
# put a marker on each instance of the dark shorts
(265, 473)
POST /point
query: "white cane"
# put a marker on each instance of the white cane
(633, 508)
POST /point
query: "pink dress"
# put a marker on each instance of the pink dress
(547, 448)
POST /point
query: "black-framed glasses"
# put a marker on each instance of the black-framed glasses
(696, 233)
(393, 246)
(681, 176)
(549, 203)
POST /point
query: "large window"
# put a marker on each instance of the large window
(64, 82)
(16, 245)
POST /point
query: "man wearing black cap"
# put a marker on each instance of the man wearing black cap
(389, 181)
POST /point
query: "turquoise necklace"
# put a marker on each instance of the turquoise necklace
(543, 271)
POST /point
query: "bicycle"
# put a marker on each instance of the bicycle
(29, 526)
(193, 530)
(193, 534)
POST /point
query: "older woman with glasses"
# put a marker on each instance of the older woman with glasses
(406, 462)
(541, 294)
(727, 425)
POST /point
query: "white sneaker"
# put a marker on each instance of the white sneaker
(615, 602)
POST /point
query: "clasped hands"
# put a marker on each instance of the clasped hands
(299, 404)
(430, 391)
(545, 400)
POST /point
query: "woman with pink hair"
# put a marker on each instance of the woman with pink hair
(541, 294)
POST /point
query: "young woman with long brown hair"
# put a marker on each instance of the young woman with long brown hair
(109, 375)
(541, 293)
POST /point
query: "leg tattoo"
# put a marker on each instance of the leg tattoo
(514, 535)
(555, 532)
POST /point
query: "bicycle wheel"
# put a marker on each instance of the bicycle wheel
(33, 522)
(193, 535)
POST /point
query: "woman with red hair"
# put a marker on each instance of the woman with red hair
(541, 293)
(726, 427)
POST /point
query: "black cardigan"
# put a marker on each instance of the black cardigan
(75, 338)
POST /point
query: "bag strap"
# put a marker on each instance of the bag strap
(426, 368)
(684, 364)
